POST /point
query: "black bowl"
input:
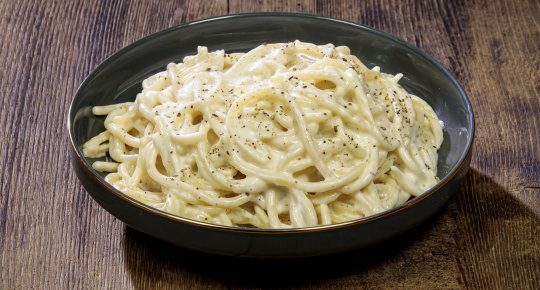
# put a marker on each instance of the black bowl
(119, 79)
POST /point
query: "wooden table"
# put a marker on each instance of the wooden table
(53, 235)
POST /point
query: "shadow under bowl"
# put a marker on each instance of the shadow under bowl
(118, 79)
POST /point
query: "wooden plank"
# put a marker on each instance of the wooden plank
(498, 213)
(246, 6)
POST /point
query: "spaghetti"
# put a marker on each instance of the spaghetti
(286, 135)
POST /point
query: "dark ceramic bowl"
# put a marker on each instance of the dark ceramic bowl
(119, 78)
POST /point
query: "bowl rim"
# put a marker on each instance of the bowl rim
(189, 222)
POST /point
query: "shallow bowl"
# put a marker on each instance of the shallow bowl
(118, 79)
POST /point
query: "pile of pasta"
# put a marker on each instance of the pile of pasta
(286, 135)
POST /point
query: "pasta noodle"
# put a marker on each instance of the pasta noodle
(286, 135)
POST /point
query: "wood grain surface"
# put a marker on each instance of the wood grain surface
(54, 236)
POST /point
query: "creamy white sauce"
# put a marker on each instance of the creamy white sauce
(285, 135)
